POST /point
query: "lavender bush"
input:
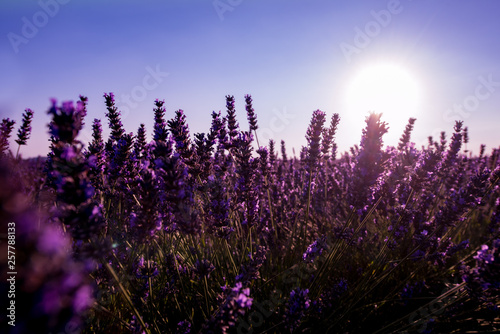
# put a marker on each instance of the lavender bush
(213, 233)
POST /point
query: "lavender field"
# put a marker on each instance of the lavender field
(217, 232)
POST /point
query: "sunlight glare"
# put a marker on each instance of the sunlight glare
(384, 88)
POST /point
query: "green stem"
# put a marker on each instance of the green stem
(126, 295)
(17, 154)
(304, 230)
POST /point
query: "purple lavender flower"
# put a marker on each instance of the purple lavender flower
(113, 116)
(180, 133)
(246, 190)
(328, 144)
(144, 271)
(235, 302)
(96, 147)
(296, 308)
(441, 146)
(283, 151)
(482, 280)
(95, 156)
(185, 209)
(136, 327)
(203, 149)
(203, 268)
(481, 150)
(24, 132)
(465, 135)
(263, 161)
(272, 152)
(140, 142)
(183, 327)
(252, 117)
(460, 201)
(146, 220)
(218, 131)
(5, 131)
(315, 249)
(69, 171)
(494, 225)
(119, 163)
(84, 101)
(250, 271)
(313, 137)
(218, 207)
(232, 124)
(452, 154)
(370, 161)
(405, 138)
(424, 171)
(66, 121)
(160, 127)
(51, 289)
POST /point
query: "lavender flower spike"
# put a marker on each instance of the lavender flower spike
(5, 131)
(313, 137)
(252, 117)
(24, 132)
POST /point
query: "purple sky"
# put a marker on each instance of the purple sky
(289, 55)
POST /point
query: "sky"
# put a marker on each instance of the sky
(292, 57)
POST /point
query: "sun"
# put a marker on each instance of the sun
(390, 89)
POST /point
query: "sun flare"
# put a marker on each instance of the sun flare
(384, 88)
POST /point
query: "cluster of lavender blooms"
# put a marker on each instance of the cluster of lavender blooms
(67, 171)
(5, 132)
(235, 301)
(483, 279)
(52, 292)
(215, 233)
(296, 307)
(315, 249)
(23, 133)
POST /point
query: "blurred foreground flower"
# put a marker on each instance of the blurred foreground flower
(51, 290)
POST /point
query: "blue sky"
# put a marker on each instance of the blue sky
(289, 55)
